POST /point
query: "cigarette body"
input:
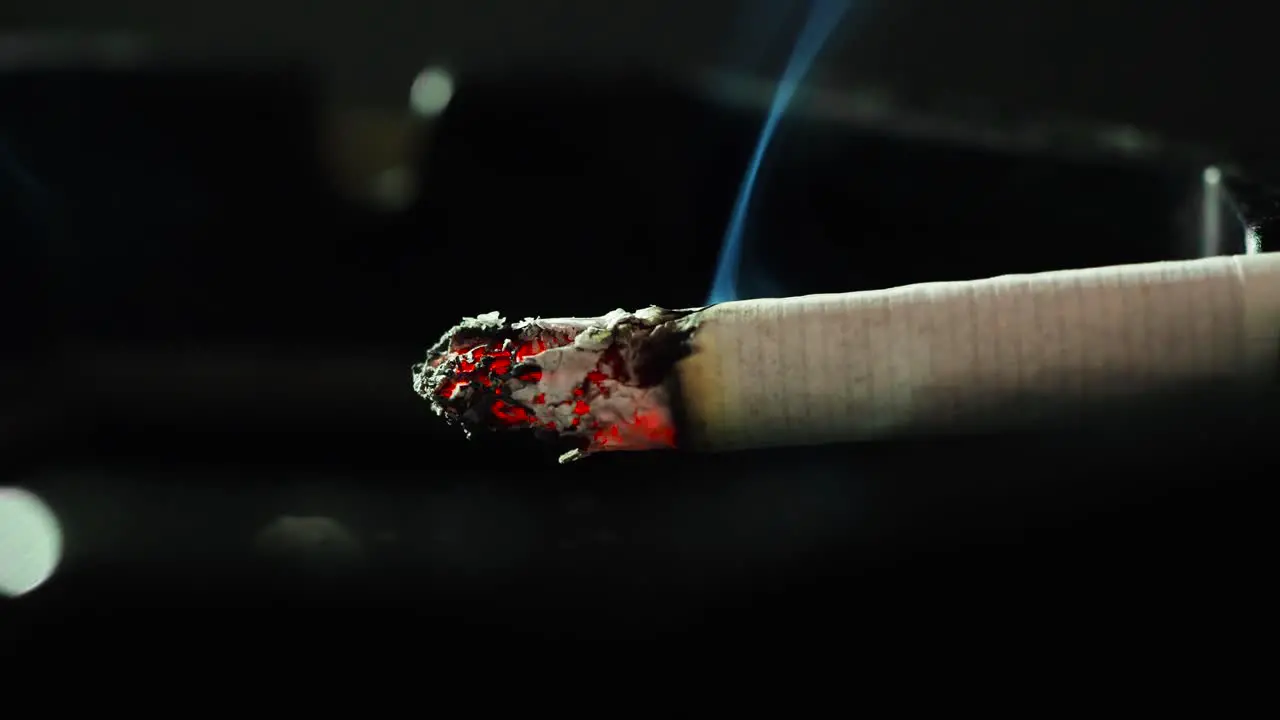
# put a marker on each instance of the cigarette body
(864, 365)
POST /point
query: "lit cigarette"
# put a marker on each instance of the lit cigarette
(856, 366)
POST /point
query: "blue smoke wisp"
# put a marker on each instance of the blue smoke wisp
(824, 16)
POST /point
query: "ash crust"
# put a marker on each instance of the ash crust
(650, 342)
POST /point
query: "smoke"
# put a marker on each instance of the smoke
(822, 19)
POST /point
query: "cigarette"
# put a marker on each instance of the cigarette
(858, 366)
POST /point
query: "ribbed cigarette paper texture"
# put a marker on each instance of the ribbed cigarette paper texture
(831, 368)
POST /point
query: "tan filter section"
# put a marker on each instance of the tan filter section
(835, 368)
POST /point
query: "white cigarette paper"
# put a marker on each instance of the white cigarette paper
(835, 368)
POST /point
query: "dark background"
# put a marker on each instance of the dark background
(209, 316)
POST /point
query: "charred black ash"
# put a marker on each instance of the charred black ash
(666, 345)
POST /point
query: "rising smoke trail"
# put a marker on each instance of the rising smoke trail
(824, 16)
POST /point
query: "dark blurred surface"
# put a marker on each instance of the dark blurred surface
(208, 352)
(1195, 69)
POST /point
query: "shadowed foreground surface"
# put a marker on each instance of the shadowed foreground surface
(1137, 516)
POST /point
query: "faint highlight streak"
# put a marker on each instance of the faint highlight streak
(824, 16)
(1220, 215)
(1211, 212)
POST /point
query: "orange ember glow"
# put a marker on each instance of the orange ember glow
(489, 366)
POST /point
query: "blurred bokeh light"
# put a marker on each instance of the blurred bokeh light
(30, 542)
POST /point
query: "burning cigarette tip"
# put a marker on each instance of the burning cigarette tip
(588, 384)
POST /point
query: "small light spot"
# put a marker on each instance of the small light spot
(30, 542)
(394, 189)
(1127, 140)
(309, 543)
(431, 92)
(1212, 175)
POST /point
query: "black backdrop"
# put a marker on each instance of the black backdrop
(222, 342)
